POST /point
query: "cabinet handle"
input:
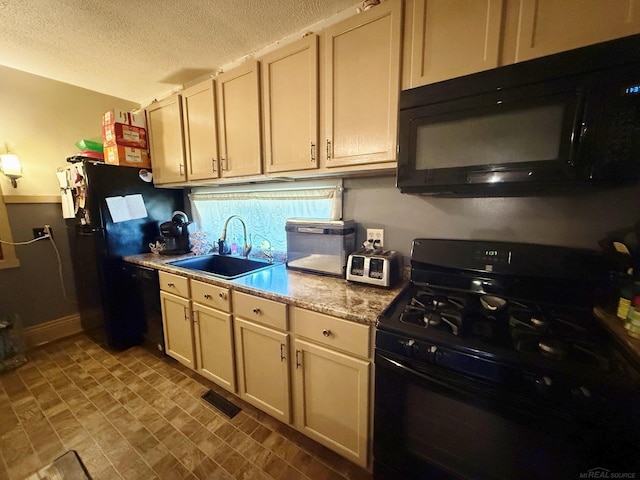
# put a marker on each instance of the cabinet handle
(223, 164)
(222, 295)
(298, 364)
(181, 169)
(213, 165)
(313, 152)
(328, 149)
(207, 296)
(256, 311)
(185, 314)
(195, 319)
(326, 332)
(170, 284)
(282, 357)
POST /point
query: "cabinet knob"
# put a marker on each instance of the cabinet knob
(171, 284)
(207, 296)
(326, 332)
(256, 311)
(222, 295)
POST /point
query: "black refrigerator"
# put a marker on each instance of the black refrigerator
(114, 211)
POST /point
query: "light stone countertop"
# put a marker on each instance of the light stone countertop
(318, 293)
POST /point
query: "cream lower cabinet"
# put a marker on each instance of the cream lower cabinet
(331, 382)
(213, 334)
(197, 327)
(262, 350)
(177, 318)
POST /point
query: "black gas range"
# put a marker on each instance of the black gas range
(490, 364)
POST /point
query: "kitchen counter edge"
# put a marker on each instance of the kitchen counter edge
(323, 294)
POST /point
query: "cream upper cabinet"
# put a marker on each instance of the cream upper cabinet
(200, 131)
(164, 122)
(239, 121)
(362, 81)
(332, 365)
(551, 26)
(290, 106)
(450, 38)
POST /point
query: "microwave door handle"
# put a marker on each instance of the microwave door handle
(579, 130)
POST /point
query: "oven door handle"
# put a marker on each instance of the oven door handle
(451, 382)
(394, 363)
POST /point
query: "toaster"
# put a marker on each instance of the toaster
(375, 267)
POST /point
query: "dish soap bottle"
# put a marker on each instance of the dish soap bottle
(234, 247)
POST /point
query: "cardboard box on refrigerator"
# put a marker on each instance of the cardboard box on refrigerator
(125, 135)
(126, 156)
(126, 118)
(124, 128)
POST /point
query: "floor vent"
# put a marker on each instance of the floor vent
(220, 403)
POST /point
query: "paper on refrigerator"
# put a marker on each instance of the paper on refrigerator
(125, 208)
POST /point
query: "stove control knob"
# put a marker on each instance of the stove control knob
(408, 345)
(543, 384)
(433, 349)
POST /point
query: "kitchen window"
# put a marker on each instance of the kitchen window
(264, 209)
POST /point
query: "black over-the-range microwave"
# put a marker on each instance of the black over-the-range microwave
(554, 124)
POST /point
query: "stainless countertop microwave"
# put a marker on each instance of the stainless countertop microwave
(566, 121)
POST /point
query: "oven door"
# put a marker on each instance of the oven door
(431, 423)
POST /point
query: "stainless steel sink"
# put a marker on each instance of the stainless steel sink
(223, 266)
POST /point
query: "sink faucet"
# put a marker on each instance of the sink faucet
(266, 247)
(223, 249)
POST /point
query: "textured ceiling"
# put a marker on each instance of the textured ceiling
(141, 49)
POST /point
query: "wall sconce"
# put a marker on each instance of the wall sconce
(10, 166)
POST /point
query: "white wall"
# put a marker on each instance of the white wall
(41, 120)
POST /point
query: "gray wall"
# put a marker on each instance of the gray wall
(575, 220)
(33, 290)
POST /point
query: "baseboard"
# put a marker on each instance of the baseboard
(51, 331)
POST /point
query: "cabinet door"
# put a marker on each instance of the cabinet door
(263, 371)
(362, 81)
(239, 121)
(551, 26)
(290, 101)
(332, 399)
(451, 38)
(200, 133)
(214, 346)
(178, 331)
(164, 120)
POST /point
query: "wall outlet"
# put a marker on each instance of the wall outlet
(41, 232)
(38, 233)
(377, 235)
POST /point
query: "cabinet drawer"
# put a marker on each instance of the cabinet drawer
(174, 284)
(260, 310)
(210, 295)
(333, 332)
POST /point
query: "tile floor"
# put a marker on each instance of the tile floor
(132, 415)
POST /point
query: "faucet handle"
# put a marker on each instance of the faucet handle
(246, 249)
